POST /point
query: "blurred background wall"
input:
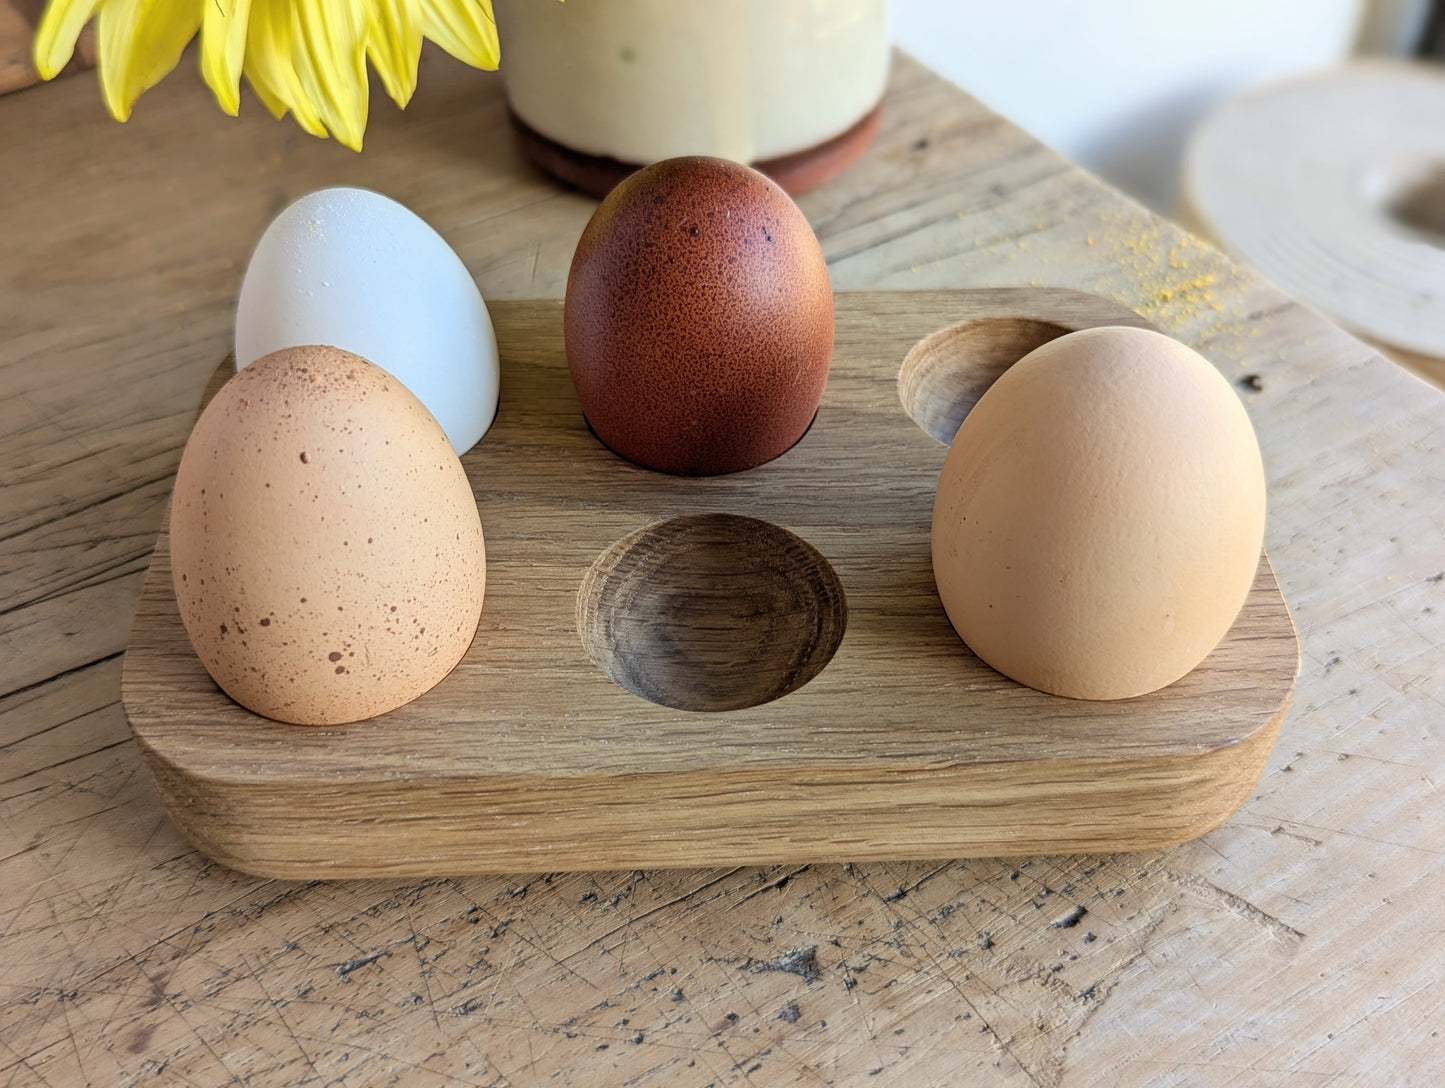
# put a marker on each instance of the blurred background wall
(1117, 85)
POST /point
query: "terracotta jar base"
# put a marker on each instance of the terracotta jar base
(796, 173)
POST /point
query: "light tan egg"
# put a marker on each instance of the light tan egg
(1100, 515)
(326, 549)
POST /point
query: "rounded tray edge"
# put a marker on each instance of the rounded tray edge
(671, 821)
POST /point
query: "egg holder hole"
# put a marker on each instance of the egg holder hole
(711, 612)
(945, 374)
(1411, 197)
(591, 430)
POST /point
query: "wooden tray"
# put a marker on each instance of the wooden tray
(530, 757)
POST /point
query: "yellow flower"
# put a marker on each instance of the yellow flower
(303, 56)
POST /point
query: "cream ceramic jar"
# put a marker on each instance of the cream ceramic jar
(640, 80)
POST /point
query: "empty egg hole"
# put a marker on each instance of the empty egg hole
(944, 374)
(711, 612)
(1415, 199)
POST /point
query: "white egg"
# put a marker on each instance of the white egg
(352, 269)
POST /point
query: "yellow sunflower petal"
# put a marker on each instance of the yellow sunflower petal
(55, 37)
(268, 66)
(223, 48)
(464, 28)
(138, 43)
(277, 107)
(393, 42)
(328, 51)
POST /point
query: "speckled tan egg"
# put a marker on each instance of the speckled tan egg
(326, 549)
(1100, 515)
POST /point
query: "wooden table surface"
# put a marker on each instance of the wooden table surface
(1298, 944)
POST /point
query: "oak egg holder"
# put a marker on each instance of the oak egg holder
(736, 669)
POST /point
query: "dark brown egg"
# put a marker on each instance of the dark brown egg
(699, 318)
